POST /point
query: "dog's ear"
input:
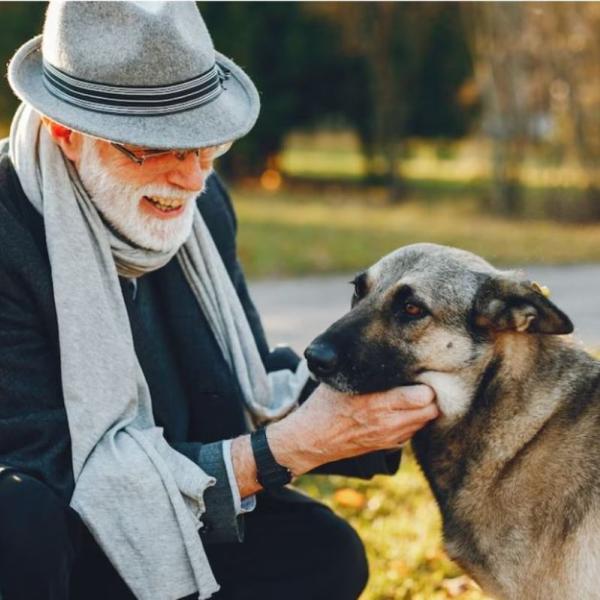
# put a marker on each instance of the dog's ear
(503, 304)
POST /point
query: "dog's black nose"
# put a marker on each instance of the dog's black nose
(322, 358)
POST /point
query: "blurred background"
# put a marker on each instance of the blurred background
(470, 124)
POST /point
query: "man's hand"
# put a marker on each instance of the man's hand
(331, 425)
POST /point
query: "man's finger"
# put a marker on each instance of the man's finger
(418, 416)
(409, 397)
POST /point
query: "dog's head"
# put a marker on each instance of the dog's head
(430, 314)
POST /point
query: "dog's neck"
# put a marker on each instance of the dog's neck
(519, 379)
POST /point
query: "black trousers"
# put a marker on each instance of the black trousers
(294, 549)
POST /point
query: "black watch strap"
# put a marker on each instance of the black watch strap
(269, 473)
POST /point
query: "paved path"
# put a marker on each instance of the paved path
(294, 311)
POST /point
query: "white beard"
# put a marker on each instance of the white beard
(118, 201)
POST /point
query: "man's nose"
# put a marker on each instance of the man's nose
(191, 172)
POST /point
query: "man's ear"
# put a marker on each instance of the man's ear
(503, 304)
(68, 140)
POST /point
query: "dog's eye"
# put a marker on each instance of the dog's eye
(360, 288)
(414, 311)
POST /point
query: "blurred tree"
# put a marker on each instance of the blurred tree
(387, 70)
(446, 101)
(387, 37)
(294, 58)
(574, 87)
(537, 64)
(20, 21)
(497, 36)
(416, 61)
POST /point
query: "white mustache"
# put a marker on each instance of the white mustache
(163, 191)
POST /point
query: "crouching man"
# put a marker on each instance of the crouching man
(146, 431)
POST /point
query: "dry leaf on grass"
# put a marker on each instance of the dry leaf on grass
(458, 585)
(349, 498)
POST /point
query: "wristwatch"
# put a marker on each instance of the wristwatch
(269, 473)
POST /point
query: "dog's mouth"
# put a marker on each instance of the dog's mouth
(354, 385)
(334, 379)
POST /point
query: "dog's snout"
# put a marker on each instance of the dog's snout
(322, 358)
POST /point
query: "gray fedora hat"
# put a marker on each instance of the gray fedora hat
(141, 73)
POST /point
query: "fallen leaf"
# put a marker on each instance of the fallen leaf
(350, 498)
(457, 585)
(399, 567)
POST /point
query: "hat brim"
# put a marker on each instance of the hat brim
(230, 116)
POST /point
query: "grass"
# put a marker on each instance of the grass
(339, 228)
(295, 232)
(399, 523)
(327, 154)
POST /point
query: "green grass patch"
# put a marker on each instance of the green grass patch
(550, 185)
(337, 155)
(400, 525)
(297, 233)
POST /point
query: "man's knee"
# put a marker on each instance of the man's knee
(345, 567)
(35, 534)
(31, 514)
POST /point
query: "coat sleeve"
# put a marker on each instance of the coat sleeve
(222, 520)
(34, 433)
(363, 467)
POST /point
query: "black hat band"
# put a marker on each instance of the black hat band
(129, 100)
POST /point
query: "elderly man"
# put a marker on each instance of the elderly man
(134, 366)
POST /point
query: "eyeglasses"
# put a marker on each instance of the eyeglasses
(140, 155)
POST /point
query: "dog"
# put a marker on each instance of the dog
(514, 458)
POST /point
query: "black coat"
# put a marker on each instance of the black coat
(194, 396)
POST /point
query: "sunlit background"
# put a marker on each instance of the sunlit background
(475, 124)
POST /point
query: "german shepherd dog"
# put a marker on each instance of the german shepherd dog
(514, 458)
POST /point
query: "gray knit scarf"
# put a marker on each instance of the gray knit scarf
(140, 498)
